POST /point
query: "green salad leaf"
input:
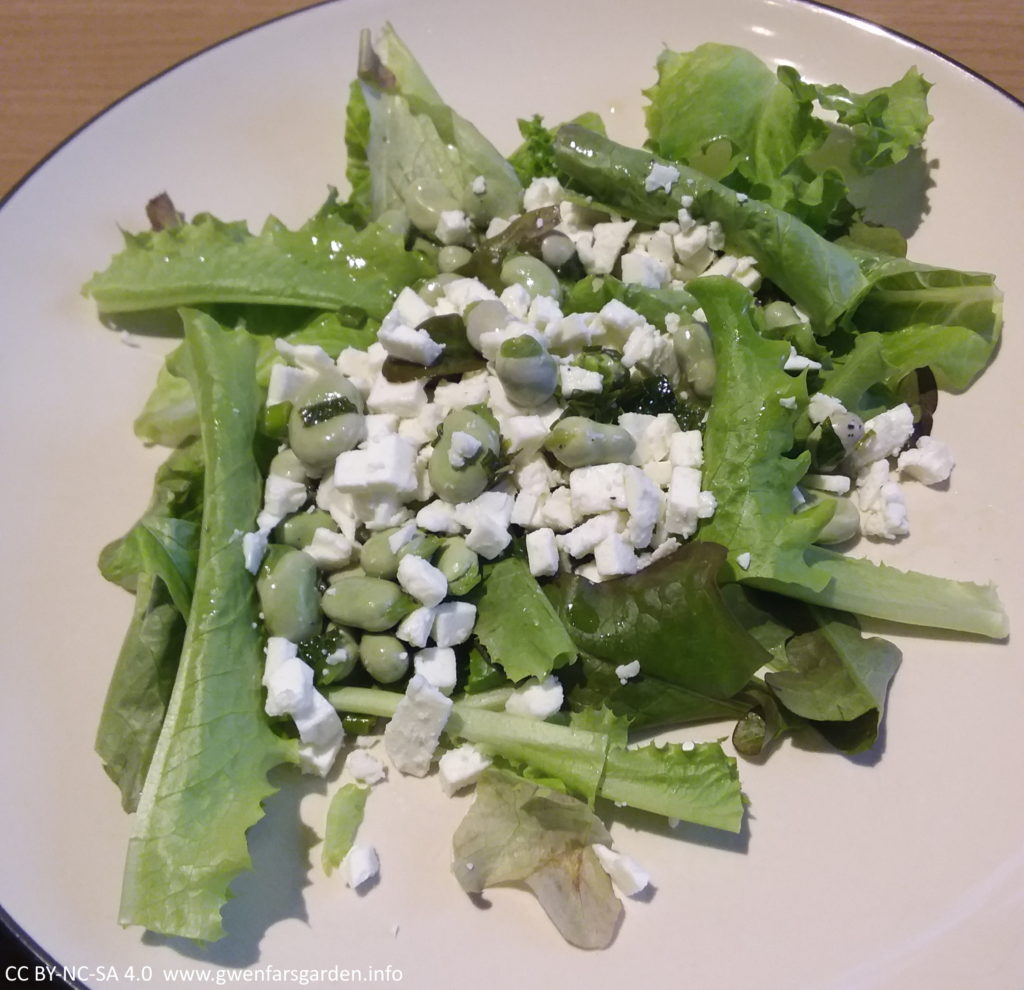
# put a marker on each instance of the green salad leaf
(518, 831)
(208, 775)
(344, 816)
(325, 264)
(517, 625)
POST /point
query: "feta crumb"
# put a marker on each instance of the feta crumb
(422, 580)
(542, 552)
(464, 446)
(384, 466)
(415, 628)
(536, 699)
(573, 378)
(459, 768)
(643, 269)
(822, 406)
(613, 556)
(409, 344)
(404, 399)
(884, 436)
(453, 227)
(254, 548)
(930, 462)
(437, 665)
(625, 872)
(438, 517)
(598, 488)
(626, 671)
(661, 177)
(361, 865)
(412, 734)
(797, 362)
(329, 549)
(364, 767)
(743, 560)
(883, 512)
(478, 187)
(453, 622)
(835, 484)
(541, 192)
(788, 402)
(685, 449)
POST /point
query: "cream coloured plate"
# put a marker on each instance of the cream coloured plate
(905, 870)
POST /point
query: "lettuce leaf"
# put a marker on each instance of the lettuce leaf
(208, 774)
(423, 157)
(517, 625)
(344, 816)
(720, 109)
(517, 831)
(669, 616)
(325, 264)
(822, 278)
(747, 443)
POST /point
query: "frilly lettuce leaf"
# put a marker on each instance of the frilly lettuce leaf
(517, 625)
(720, 109)
(747, 444)
(326, 264)
(208, 776)
(517, 831)
(423, 157)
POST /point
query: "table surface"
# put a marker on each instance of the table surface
(64, 61)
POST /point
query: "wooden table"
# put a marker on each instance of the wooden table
(63, 61)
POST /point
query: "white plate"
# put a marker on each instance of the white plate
(908, 873)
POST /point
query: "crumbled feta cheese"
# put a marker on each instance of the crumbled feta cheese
(384, 466)
(404, 342)
(883, 512)
(287, 382)
(835, 484)
(536, 699)
(453, 622)
(464, 446)
(683, 503)
(884, 436)
(412, 734)
(641, 268)
(478, 187)
(614, 556)
(743, 560)
(361, 865)
(652, 434)
(788, 402)
(686, 449)
(630, 878)
(438, 517)
(543, 310)
(362, 367)
(459, 768)
(471, 390)
(281, 497)
(541, 192)
(651, 350)
(364, 767)
(542, 552)
(404, 399)
(415, 628)
(643, 502)
(516, 299)
(329, 549)
(930, 462)
(573, 378)
(453, 227)
(488, 537)
(422, 580)
(524, 433)
(437, 665)
(822, 406)
(600, 247)
(598, 488)
(661, 177)
(309, 357)
(616, 316)
(584, 538)
(380, 424)
(557, 510)
(254, 548)
(568, 334)
(627, 671)
(797, 362)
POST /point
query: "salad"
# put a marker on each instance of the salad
(497, 466)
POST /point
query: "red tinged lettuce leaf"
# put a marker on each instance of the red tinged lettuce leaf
(671, 617)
